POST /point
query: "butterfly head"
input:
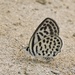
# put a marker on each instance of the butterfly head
(27, 48)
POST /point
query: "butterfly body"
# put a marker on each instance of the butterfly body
(45, 41)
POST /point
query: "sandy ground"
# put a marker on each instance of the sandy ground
(18, 21)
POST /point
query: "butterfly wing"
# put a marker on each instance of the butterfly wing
(47, 27)
(48, 47)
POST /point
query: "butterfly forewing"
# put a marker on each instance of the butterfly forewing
(47, 27)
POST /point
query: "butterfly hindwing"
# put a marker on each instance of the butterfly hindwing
(48, 47)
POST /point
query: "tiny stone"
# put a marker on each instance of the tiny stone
(67, 7)
(41, 1)
(49, 3)
(8, 11)
(19, 72)
(74, 35)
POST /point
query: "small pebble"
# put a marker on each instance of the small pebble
(74, 35)
(41, 1)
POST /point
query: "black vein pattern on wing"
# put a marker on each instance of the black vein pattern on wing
(38, 37)
(36, 49)
(32, 46)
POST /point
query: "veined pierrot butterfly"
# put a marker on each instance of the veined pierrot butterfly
(45, 41)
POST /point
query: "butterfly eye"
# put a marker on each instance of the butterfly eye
(27, 48)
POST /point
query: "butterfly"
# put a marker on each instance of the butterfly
(45, 41)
